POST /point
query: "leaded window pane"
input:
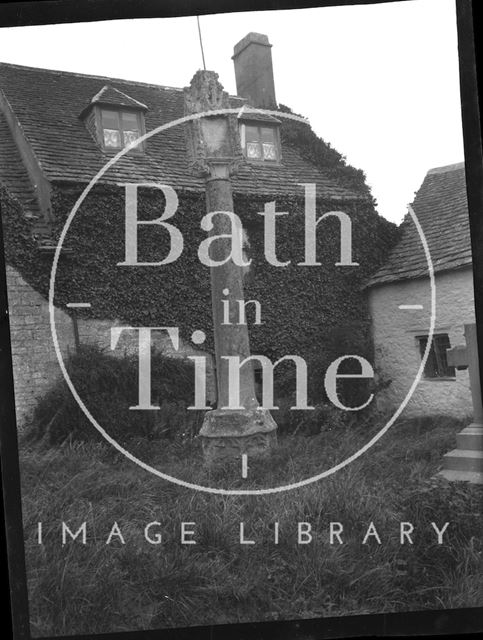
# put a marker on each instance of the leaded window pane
(267, 134)
(269, 152)
(130, 136)
(252, 134)
(110, 119)
(253, 150)
(129, 121)
(112, 138)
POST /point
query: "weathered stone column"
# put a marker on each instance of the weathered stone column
(216, 152)
(227, 284)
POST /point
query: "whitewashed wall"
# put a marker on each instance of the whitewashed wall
(397, 354)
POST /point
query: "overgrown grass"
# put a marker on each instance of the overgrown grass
(105, 588)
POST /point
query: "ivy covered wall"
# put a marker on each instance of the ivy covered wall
(318, 312)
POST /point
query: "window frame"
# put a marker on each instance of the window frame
(140, 149)
(448, 372)
(259, 124)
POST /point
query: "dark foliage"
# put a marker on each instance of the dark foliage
(322, 154)
(108, 386)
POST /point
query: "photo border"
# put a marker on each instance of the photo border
(414, 623)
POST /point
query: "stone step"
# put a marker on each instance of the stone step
(470, 439)
(474, 477)
(463, 460)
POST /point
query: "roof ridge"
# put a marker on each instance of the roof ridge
(447, 168)
(106, 78)
(88, 75)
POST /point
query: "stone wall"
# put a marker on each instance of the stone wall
(397, 355)
(35, 364)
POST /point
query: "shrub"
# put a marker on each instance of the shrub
(108, 386)
(322, 418)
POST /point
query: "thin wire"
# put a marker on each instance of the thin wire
(201, 42)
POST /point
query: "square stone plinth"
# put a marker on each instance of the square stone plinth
(227, 434)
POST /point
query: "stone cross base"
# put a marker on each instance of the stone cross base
(228, 434)
(465, 463)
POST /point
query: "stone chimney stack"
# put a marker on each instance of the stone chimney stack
(252, 57)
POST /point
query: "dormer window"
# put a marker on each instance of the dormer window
(260, 143)
(260, 138)
(119, 128)
(115, 120)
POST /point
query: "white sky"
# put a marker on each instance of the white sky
(379, 82)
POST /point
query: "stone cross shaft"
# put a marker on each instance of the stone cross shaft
(466, 461)
(215, 151)
(227, 285)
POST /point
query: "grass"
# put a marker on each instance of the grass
(106, 588)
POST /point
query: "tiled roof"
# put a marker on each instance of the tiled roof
(13, 173)
(48, 103)
(441, 208)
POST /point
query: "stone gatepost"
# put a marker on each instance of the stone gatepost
(215, 150)
(465, 463)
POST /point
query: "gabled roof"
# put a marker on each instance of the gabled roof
(441, 207)
(110, 95)
(48, 103)
(249, 113)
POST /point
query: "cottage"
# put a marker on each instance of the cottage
(399, 298)
(58, 130)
